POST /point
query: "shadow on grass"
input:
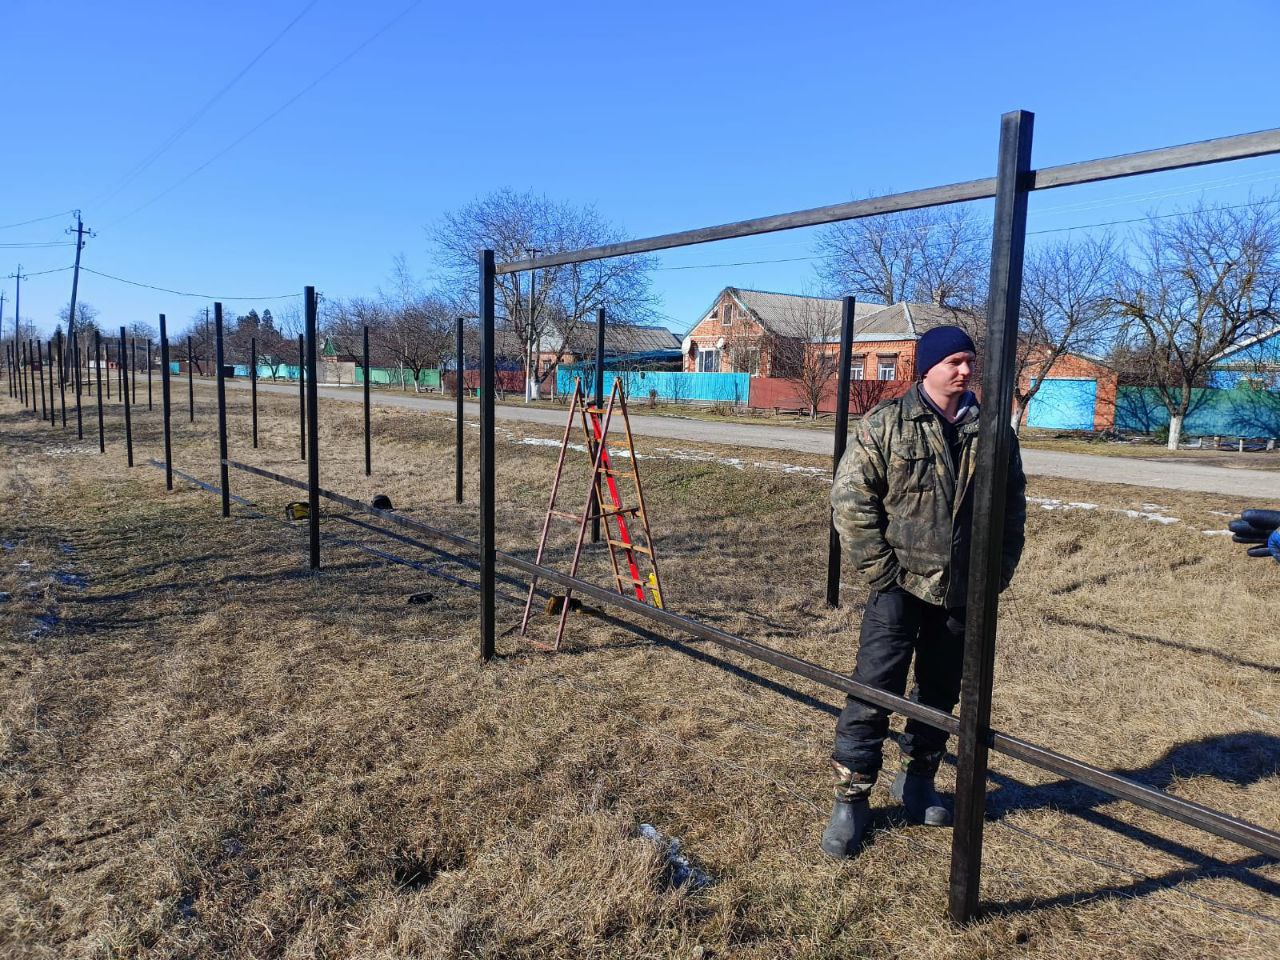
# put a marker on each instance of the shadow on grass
(1164, 642)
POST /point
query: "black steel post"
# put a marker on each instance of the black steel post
(44, 406)
(191, 381)
(133, 367)
(302, 398)
(368, 428)
(313, 432)
(461, 368)
(62, 382)
(24, 355)
(598, 399)
(990, 482)
(841, 438)
(124, 395)
(75, 358)
(53, 404)
(222, 409)
(166, 404)
(149, 404)
(253, 386)
(97, 373)
(31, 366)
(488, 474)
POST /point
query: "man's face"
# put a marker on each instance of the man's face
(950, 376)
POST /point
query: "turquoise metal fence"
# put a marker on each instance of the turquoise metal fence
(663, 385)
(1243, 412)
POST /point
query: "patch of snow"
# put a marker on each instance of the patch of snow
(1049, 503)
(1216, 533)
(71, 579)
(1153, 517)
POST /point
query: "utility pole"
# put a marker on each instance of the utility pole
(18, 277)
(80, 232)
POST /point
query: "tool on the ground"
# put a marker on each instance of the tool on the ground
(626, 528)
(298, 510)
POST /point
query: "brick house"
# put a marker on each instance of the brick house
(757, 332)
(620, 339)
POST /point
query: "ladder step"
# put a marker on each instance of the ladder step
(561, 515)
(630, 546)
(618, 473)
(639, 583)
(614, 513)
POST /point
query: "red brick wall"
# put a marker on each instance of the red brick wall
(705, 335)
(870, 351)
(1072, 367)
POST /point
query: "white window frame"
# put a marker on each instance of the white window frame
(708, 367)
(889, 365)
(858, 368)
(726, 315)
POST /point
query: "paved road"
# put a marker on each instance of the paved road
(1051, 463)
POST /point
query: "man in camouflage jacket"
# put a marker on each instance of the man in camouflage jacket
(902, 502)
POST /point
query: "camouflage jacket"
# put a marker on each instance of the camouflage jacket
(903, 509)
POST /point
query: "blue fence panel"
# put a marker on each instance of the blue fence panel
(1244, 412)
(665, 385)
(1063, 405)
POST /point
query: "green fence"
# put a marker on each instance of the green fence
(393, 376)
(1242, 412)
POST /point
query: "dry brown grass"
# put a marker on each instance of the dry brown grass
(212, 752)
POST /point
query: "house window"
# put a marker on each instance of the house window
(856, 369)
(708, 361)
(726, 315)
(886, 368)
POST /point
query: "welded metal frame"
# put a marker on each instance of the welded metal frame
(1015, 179)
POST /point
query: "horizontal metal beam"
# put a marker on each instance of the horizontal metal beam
(1204, 818)
(1090, 171)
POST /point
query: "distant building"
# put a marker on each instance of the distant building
(1255, 362)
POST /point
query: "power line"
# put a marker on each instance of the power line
(182, 293)
(37, 273)
(276, 112)
(23, 223)
(155, 154)
(38, 243)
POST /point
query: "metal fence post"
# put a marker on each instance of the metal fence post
(97, 373)
(841, 439)
(191, 381)
(598, 399)
(133, 368)
(24, 373)
(461, 369)
(222, 410)
(44, 406)
(368, 442)
(62, 383)
(253, 386)
(313, 432)
(488, 474)
(53, 404)
(990, 482)
(302, 399)
(166, 404)
(149, 402)
(75, 358)
(124, 395)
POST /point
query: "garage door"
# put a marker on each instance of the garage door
(1063, 405)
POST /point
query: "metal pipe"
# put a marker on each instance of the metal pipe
(97, 373)
(368, 426)
(166, 404)
(461, 368)
(839, 441)
(222, 408)
(1091, 171)
(253, 386)
(313, 431)
(990, 478)
(124, 395)
(62, 382)
(488, 474)
(302, 399)
(597, 397)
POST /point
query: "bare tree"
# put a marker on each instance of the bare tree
(804, 355)
(548, 316)
(1203, 282)
(1067, 307)
(410, 324)
(937, 255)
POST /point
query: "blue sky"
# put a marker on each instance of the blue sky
(664, 115)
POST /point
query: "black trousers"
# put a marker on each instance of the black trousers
(896, 625)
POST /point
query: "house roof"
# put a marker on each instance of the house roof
(792, 315)
(1246, 344)
(619, 338)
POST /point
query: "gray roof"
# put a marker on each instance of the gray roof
(619, 338)
(792, 315)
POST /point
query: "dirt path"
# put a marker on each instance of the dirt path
(1050, 463)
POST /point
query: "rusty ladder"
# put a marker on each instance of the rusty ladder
(603, 502)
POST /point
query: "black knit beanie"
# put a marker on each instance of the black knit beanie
(937, 344)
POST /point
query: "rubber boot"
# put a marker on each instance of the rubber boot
(913, 788)
(850, 815)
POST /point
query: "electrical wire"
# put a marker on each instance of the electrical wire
(183, 293)
(155, 154)
(37, 273)
(38, 243)
(276, 112)
(23, 223)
